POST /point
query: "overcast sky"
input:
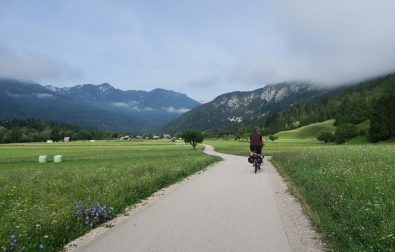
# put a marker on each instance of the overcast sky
(202, 48)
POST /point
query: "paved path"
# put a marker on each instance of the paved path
(226, 208)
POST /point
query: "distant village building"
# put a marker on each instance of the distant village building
(155, 137)
(66, 139)
(125, 138)
(166, 136)
(139, 137)
(49, 141)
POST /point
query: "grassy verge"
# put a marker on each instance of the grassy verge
(43, 206)
(350, 189)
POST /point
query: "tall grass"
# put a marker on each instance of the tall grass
(43, 206)
(350, 189)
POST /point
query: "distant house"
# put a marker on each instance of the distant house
(155, 137)
(66, 139)
(125, 138)
(49, 141)
(139, 137)
(166, 136)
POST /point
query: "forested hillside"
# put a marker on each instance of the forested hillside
(372, 100)
(287, 106)
(230, 111)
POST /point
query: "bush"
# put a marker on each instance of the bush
(326, 137)
(273, 137)
(344, 132)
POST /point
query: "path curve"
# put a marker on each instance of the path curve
(225, 208)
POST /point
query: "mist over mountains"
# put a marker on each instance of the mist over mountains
(96, 106)
(288, 105)
(276, 107)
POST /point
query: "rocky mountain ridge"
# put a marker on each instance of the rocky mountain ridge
(229, 110)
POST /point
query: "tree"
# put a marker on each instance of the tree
(241, 133)
(326, 137)
(192, 137)
(344, 132)
(382, 118)
(273, 138)
(14, 135)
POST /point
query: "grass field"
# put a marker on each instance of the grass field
(310, 131)
(349, 190)
(43, 206)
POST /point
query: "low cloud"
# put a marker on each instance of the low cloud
(33, 66)
(329, 43)
(120, 104)
(175, 110)
(44, 96)
(146, 109)
(37, 95)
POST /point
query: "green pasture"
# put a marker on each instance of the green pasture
(43, 206)
(348, 190)
(309, 131)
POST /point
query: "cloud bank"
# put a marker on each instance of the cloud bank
(33, 66)
(327, 42)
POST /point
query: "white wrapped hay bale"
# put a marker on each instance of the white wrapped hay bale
(43, 159)
(58, 158)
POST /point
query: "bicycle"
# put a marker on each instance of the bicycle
(256, 160)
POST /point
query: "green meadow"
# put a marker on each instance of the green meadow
(44, 206)
(347, 190)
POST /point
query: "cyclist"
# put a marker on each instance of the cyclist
(256, 142)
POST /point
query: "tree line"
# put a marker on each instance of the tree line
(37, 130)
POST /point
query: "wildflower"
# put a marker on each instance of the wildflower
(45, 236)
(41, 246)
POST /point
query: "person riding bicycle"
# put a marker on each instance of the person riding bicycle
(256, 142)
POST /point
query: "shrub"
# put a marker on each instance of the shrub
(273, 137)
(326, 137)
(344, 132)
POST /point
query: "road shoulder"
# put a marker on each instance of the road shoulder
(300, 232)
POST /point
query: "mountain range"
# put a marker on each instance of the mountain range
(275, 107)
(245, 108)
(286, 106)
(92, 106)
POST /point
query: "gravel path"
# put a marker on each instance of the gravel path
(225, 208)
